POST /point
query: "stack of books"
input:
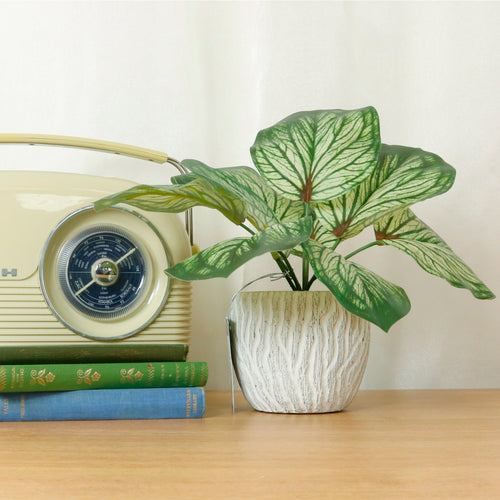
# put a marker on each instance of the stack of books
(102, 390)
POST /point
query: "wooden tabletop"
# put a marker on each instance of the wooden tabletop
(387, 444)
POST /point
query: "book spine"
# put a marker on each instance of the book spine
(91, 353)
(73, 377)
(104, 404)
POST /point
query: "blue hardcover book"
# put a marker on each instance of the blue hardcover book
(104, 404)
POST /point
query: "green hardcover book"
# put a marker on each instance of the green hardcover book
(73, 377)
(92, 353)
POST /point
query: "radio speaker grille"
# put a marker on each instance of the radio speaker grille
(25, 318)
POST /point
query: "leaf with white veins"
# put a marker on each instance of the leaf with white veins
(403, 177)
(220, 260)
(177, 198)
(405, 231)
(318, 155)
(359, 290)
(264, 206)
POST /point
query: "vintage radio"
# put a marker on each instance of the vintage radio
(87, 283)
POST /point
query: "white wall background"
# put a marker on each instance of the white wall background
(199, 79)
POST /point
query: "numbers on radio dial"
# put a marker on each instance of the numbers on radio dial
(104, 274)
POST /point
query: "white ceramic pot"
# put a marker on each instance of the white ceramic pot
(297, 352)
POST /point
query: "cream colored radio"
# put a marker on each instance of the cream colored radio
(70, 276)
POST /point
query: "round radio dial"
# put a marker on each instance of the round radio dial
(102, 273)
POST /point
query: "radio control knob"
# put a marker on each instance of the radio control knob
(105, 272)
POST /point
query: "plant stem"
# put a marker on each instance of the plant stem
(305, 271)
(286, 269)
(311, 281)
(283, 264)
(305, 260)
(360, 249)
(336, 244)
(247, 228)
(291, 272)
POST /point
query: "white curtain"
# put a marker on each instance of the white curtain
(199, 79)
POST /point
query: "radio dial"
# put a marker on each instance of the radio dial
(102, 272)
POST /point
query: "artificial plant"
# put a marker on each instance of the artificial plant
(322, 177)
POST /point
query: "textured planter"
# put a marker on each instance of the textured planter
(297, 352)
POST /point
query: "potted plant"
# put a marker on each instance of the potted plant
(321, 178)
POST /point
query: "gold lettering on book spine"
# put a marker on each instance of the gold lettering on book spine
(17, 378)
(151, 373)
(188, 403)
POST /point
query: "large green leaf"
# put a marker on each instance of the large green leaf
(220, 260)
(318, 155)
(176, 199)
(264, 206)
(403, 177)
(358, 289)
(405, 231)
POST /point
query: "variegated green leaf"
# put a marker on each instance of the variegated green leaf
(220, 260)
(183, 179)
(403, 177)
(318, 155)
(324, 236)
(264, 206)
(358, 289)
(405, 231)
(176, 199)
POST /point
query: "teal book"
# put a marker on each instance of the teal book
(73, 377)
(104, 404)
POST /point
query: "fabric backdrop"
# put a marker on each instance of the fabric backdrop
(199, 79)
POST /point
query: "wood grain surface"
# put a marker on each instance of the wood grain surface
(387, 444)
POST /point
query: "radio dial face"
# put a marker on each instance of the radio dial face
(103, 273)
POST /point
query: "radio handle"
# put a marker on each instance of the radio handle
(80, 142)
(104, 146)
